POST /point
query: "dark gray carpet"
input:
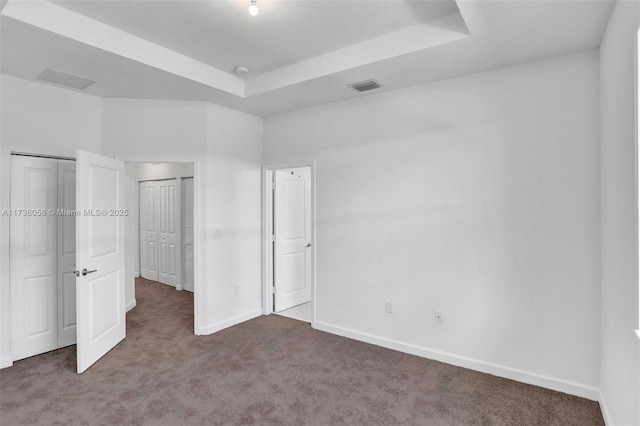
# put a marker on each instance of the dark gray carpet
(270, 370)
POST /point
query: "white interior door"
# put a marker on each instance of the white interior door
(66, 254)
(148, 232)
(292, 230)
(100, 298)
(187, 234)
(167, 216)
(33, 256)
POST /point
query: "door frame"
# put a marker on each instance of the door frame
(199, 240)
(267, 232)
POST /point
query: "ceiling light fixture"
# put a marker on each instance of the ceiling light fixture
(241, 69)
(253, 9)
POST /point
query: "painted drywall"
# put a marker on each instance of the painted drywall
(159, 171)
(227, 148)
(476, 196)
(152, 131)
(139, 172)
(41, 119)
(620, 368)
(233, 225)
(132, 248)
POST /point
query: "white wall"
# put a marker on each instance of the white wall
(41, 119)
(159, 171)
(620, 368)
(477, 196)
(131, 234)
(227, 147)
(152, 131)
(234, 164)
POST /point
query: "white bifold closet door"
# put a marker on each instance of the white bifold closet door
(148, 232)
(160, 250)
(168, 228)
(42, 255)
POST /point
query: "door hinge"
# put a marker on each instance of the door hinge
(273, 290)
(273, 185)
(273, 238)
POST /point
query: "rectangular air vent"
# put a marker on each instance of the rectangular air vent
(63, 79)
(364, 86)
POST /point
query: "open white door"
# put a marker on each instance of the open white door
(292, 253)
(100, 298)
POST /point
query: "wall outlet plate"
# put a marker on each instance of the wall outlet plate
(389, 307)
(438, 317)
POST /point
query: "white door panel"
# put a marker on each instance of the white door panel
(167, 218)
(66, 254)
(148, 232)
(292, 221)
(33, 258)
(100, 299)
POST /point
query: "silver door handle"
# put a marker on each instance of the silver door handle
(308, 245)
(84, 272)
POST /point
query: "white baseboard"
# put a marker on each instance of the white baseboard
(137, 275)
(229, 322)
(566, 386)
(131, 305)
(605, 410)
(5, 362)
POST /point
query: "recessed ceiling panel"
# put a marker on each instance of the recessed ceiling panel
(222, 34)
(502, 33)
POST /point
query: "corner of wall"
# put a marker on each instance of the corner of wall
(620, 347)
(221, 325)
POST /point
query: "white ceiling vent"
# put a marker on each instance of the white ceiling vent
(63, 79)
(365, 86)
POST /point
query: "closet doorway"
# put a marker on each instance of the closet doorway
(42, 254)
(165, 223)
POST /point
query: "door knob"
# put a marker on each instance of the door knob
(85, 272)
(308, 245)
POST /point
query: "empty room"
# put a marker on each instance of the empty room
(304, 212)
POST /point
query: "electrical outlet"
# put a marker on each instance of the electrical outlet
(217, 233)
(389, 307)
(438, 317)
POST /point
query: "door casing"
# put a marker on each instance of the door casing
(199, 241)
(267, 229)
